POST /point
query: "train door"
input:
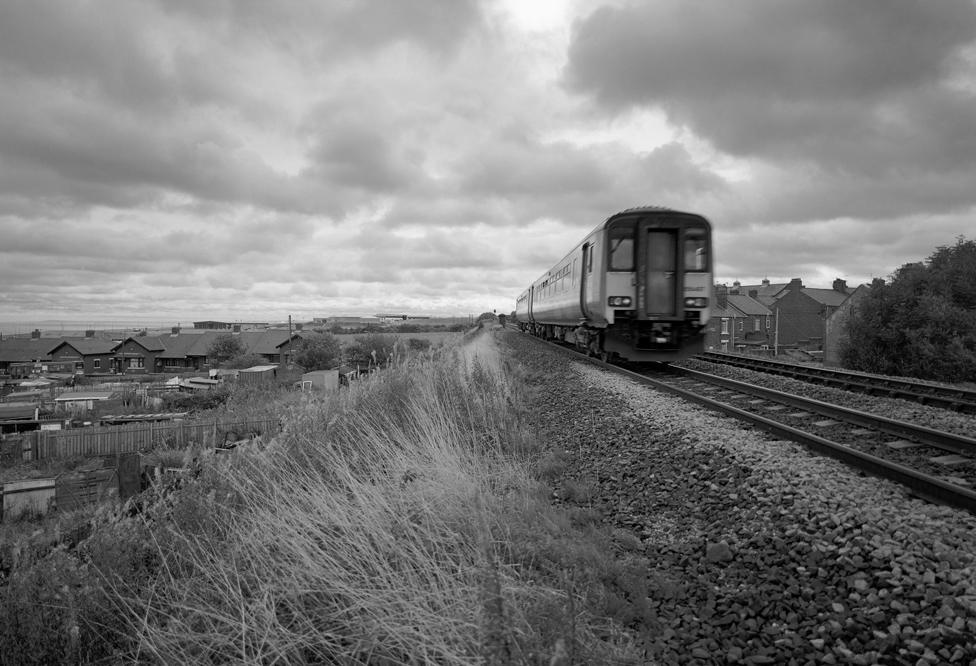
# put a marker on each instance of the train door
(585, 276)
(660, 272)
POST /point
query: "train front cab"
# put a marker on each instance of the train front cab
(658, 285)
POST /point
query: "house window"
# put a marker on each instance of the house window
(137, 362)
(768, 318)
(758, 323)
(97, 364)
(725, 327)
(742, 326)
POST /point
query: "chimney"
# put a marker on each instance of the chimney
(90, 333)
(175, 330)
(765, 282)
(721, 295)
(735, 287)
(796, 284)
(236, 328)
(35, 334)
(840, 285)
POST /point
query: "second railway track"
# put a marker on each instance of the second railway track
(947, 397)
(935, 465)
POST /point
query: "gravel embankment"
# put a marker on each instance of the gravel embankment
(892, 408)
(758, 551)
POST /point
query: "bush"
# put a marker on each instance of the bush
(321, 352)
(196, 401)
(225, 347)
(921, 324)
(245, 361)
(370, 350)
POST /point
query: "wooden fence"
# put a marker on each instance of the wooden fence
(135, 437)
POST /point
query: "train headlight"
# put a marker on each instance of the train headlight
(619, 301)
(697, 302)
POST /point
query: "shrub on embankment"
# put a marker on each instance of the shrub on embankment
(398, 522)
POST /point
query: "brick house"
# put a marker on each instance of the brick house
(737, 323)
(19, 356)
(178, 352)
(139, 355)
(186, 352)
(276, 345)
(836, 331)
(88, 355)
(803, 312)
(766, 292)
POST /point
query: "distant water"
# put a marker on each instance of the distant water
(70, 327)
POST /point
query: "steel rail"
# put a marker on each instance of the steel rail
(921, 485)
(958, 399)
(943, 440)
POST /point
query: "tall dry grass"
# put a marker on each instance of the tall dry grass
(396, 523)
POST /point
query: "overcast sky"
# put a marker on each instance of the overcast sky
(248, 160)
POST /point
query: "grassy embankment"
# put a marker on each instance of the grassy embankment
(403, 521)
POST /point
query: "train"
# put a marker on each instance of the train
(636, 288)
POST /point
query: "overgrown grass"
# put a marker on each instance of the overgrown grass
(398, 522)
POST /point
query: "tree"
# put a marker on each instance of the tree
(246, 361)
(921, 324)
(370, 349)
(225, 347)
(319, 352)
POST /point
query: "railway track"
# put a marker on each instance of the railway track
(956, 399)
(937, 466)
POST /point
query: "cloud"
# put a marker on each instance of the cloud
(256, 157)
(859, 95)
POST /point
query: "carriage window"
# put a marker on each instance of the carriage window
(622, 251)
(696, 250)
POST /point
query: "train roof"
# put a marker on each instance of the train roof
(650, 209)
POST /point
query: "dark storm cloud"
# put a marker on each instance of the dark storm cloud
(853, 86)
(115, 105)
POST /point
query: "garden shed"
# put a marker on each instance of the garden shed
(320, 380)
(259, 374)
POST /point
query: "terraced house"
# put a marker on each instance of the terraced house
(774, 315)
(137, 354)
(180, 352)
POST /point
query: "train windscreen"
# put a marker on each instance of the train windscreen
(622, 248)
